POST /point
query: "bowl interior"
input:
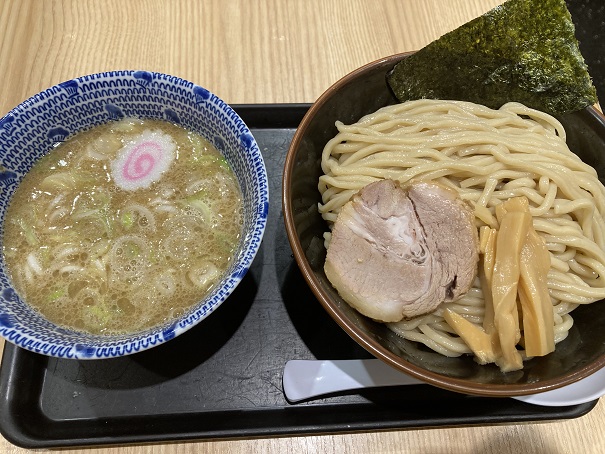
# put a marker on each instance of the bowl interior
(354, 96)
(35, 126)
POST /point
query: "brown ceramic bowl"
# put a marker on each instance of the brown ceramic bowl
(360, 93)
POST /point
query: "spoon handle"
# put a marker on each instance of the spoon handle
(304, 379)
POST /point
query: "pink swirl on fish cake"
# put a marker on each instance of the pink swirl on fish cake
(143, 160)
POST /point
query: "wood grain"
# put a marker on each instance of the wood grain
(245, 52)
(264, 51)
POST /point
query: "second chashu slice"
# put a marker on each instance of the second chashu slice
(398, 253)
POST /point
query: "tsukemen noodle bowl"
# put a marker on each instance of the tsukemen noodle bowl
(322, 174)
(132, 205)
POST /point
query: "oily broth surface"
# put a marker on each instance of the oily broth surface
(97, 258)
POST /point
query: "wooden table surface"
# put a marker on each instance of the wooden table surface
(263, 51)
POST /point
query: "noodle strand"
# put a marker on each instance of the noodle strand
(488, 156)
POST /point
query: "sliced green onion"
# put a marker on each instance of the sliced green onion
(127, 220)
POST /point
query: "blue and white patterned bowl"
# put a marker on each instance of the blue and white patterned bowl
(31, 130)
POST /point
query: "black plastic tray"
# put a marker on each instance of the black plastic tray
(223, 378)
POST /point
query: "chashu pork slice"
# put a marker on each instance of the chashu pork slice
(398, 253)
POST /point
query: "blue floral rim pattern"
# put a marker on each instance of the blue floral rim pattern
(35, 126)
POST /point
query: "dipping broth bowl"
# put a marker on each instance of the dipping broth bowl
(34, 127)
(360, 93)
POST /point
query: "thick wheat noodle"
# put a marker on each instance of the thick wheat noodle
(489, 156)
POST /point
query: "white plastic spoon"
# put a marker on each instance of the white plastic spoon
(305, 379)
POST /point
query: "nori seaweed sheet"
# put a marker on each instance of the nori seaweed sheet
(522, 50)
